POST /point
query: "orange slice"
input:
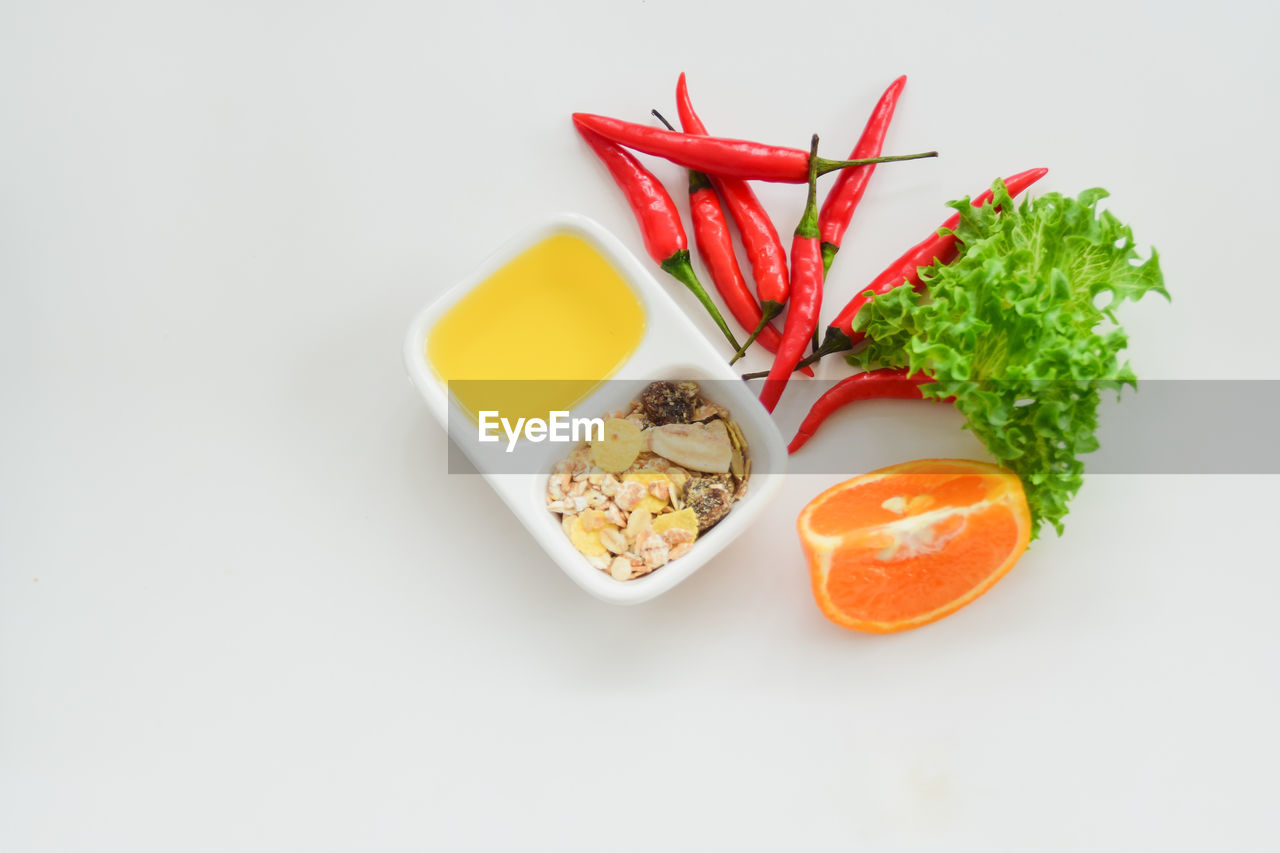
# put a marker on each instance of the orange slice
(908, 544)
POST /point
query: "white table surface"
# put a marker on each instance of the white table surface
(244, 607)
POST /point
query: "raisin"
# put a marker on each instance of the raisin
(710, 498)
(669, 402)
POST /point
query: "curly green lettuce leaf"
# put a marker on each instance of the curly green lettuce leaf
(1021, 330)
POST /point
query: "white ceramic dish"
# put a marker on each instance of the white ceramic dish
(672, 348)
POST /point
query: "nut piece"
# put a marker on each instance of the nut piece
(700, 447)
(612, 539)
(669, 402)
(638, 522)
(620, 569)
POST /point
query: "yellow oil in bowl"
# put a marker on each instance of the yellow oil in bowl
(539, 334)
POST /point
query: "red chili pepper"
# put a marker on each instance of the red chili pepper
(734, 158)
(759, 237)
(664, 236)
(906, 270)
(850, 184)
(715, 245)
(886, 383)
(806, 292)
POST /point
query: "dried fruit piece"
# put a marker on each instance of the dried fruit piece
(621, 445)
(669, 402)
(685, 519)
(586, 541)
(700, 447)
(741, 491)
(710, 499)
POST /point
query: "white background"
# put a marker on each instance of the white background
(244, 607)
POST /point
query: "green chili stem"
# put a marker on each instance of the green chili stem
(679, 267)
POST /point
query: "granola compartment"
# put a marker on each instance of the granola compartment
(668, 469)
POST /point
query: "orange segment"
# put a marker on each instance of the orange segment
(909, 544)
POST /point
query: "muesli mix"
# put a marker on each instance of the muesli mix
(669, 468)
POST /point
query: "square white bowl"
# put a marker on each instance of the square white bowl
(671, 348)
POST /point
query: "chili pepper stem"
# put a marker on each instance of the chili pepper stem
(679, 268)
(834, 341)
(808, 226)
(769, 309)
(828, 255)
(820, 353)
(825, 165)
(660, 117)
